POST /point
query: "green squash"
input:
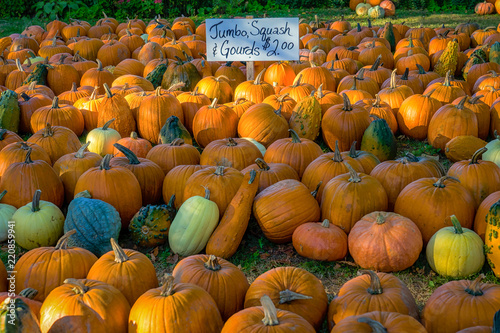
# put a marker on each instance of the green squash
(6, 212)
(376, 12)
(149, 227)
(191, 228)
(362, 9)
(492, 238)
(388, 33)
(495, 53)
(156, 75)
(95, 222)
(181, 72)
(17, 317)
(306, 118)
(174, 129)
(379, 140)
(38, 223)
(33, 59)
(455, 251)
(38, 74)
(10, 113)
(479, 56)
(493, 152)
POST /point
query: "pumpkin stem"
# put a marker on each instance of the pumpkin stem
(287, 296)
(55, 103)
(297, 81)
(262, 164)
(347, 102)
(129, 154)
(375, 286)
(316, 190)
(207, 193)
(177, 142)
(29, 293)
(447, 79)
(109, 94)
(393, 80)
(280, 99)
(270, 312)
(62, 243)
(120, 255)
(81, 152)
(375, 325)
(47, 131)
(461, 104)
(361, 74)
(377, 101)
(325, 223)
(105, 162)
(78, 286)
(352, 151)
(253, 175)
(133, 135)
(496, 322)
(212, 263)
(219, 170)
(214, 104)
(429, 93)
(28, 160)
(107, 124)
(380, 219)
(440, 182)
(456, 225)
(84, 194)
(405, 74)
(355, 178)
(231, 142)
(295, 136)
(477, 155)
(259, 77)
(474, 288)
(35, 204)
(99, 65)
(4, 192)
(336, 154)
(421, 70)
(376, 64)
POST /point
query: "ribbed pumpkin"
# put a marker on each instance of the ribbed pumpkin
(463, 147)
(460, 304)
(282, 207)
(85, 303)
(181, 307)
(220, 278)
(263, 123)
(403, 171)
(7, 137)
(271, 173)
(129, 271)
(64, 115)
(88, 107)
(16, 152)
(45, 268)
(154, 112)
(175, 181)
(102, 139)
(140, 147)
(214, 122)
(292, 289)
(342, 203)
(22, 179)
(429, 202)
(326, 167)
(482, 112)
(480, 177)
(236, 153)
(110, 184)
(281, 73)
(115, 106)
(170, 155)
(379, 321)
(191, 102)
(56, 141)
(367, 160)
(371, 292)
(445, 92)
(223, 183)
(385, 242)
(451, 121)
(255, 90)
(344, 123)
(216, 87)
(148, 173)
(395, 94)
(96, 77)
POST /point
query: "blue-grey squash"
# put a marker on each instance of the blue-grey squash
(95, 222)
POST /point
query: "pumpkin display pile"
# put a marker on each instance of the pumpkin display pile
(187, 153)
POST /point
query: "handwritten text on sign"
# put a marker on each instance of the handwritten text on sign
(252, 39)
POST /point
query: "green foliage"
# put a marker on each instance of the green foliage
(311, 3)
(141, 8)
(18, 8)
(54, 9)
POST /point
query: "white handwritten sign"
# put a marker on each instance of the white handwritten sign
(252, 39)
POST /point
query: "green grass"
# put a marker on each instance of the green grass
(412, 18)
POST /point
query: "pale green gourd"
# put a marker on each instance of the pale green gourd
(191, 228)
(455, 251)
(6, 212)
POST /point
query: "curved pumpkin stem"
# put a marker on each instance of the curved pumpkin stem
(129, 154)
(212, 263)
(35, 204)
(393, 80)
(231, 142)
(287, 296)
(48, 131)
(81, 152)
(62, 243)
(55, 103)
(262, 164)
(270, 312)
(78, 286)
(107, 124)
(440, 182)
(474, 288)
(375, 286)
(376, 64)
(336, 154)
(29, 293)
(355, 178)
(259, 77)
(377, 101)
(477, 155)
(352, 151)
(295, 136)
(167, 289)
(105, 162)
(347, 102)
(456, 225)
(120, 255)
(4, 192)
(375, 325)
(108, 92)
(316, 190)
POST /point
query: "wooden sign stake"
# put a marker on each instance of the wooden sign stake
(250, 64)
